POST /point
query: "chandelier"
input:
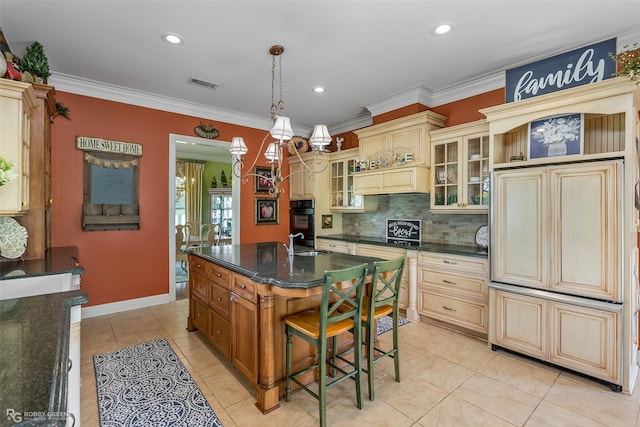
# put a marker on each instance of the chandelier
(280, 136)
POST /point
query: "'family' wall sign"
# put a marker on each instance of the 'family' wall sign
(578, 67)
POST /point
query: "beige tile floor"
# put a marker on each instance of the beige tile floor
(448, 379)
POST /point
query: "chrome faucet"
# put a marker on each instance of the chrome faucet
(290, 248)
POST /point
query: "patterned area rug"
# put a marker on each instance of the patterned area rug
(385, 324)
(147, 385)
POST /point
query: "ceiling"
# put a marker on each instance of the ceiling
(372, 56)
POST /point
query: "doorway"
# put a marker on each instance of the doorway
(183, 146)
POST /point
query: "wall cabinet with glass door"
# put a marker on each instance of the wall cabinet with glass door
(343, 198)
(17, 100)
(460, 168)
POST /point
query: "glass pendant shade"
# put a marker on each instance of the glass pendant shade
(273, 152)
(320, 137)
(281, 129)
(238, 146)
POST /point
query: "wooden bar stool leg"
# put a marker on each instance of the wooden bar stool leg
(287, 389)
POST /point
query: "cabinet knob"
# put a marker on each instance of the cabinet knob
(244, 286)
(69, 364)
(50, 202)
(219, 275)
(219, 299)
(448, 308)
(448, 282)
(448, 261)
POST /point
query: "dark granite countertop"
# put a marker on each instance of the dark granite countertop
(56, 261)
(430, 247)
(34, 354)
(269, 263)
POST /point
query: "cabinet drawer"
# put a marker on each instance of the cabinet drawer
(468, 314)
(219, 299)
(244, 287)
(219, 275)
(199, 285)
(197, 265)
(200, 316)
(220, 333)
(333, 246)
(453, 262)
(464, 285)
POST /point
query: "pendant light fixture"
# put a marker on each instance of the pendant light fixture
(281, 133)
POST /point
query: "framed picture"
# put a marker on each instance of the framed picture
(556, 136)
(327, 221)
(262, 183)
(266, 211)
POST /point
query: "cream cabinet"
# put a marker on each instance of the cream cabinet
(386, 252)
(335, 246)
(17, 100)
(399, 151)
(564, 227)
(453, 289)
(301, 183)
(568, 334)
(343, 197)
(460, 169)
(559, 228)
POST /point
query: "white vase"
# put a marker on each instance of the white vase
(558, 149)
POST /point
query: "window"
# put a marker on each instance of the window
(220, 209)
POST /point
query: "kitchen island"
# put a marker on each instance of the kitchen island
(239, 296)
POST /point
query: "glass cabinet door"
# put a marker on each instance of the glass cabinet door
(337, 184)
(446, 174)
(478, 170)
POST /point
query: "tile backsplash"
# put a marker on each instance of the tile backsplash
(458, 229)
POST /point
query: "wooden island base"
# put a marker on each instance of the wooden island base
(244, 321)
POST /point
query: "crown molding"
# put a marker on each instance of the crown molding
(417, 94)
(363, 120)
(85, 87)
(468, 89)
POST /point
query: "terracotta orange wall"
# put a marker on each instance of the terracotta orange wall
(122, 265)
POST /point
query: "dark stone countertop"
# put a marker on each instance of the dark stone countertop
(430, 247)
(56, 261)
(34, 354)
(269, 263)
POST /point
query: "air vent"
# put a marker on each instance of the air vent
(203, 83)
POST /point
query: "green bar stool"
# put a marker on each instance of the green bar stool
(339, 312)
(382, 300)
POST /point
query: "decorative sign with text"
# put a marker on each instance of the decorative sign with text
(106, 146)
(404, 232)
(578, 67)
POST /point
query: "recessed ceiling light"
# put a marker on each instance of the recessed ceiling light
(443, 28)
(172, 38)
(319, 89)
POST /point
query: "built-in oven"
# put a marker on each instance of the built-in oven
(301, 221)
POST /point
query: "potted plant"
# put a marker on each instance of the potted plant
(35, 62)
